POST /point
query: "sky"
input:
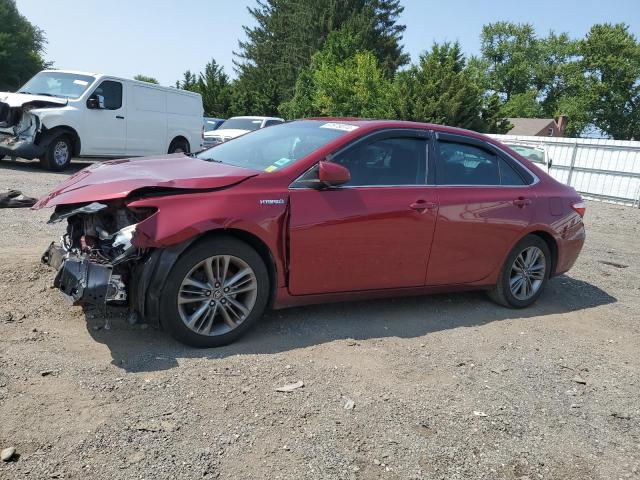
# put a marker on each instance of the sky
(163, 38)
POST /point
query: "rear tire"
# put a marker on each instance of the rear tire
(58, 155)
(191, 288)
(179, 145)
(524, 274)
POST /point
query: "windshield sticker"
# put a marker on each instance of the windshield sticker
(340, 126)
(82, 83)
(271, 168)
(282, 161)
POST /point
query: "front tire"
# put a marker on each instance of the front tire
(58, 155)
(524, 275)
(215, 292)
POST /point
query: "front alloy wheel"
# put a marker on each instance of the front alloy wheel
(215, 291)
(216, 296)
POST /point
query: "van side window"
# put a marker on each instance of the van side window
(112, 93)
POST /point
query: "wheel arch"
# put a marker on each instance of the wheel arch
(49, 134)
(177, 138)
(553, 247)
(258, 245)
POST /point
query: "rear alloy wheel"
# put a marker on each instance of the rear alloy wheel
(58, 154)
(524, 274)
(214, 293)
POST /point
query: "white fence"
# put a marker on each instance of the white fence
(601, 169)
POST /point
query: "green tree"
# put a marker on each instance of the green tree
(145, 78)
(289, 32)
(21, 47)
(442, 89)
(342, 80)
(514, 57)
(189, 81)
(523, 104)
(611, 66)
(213, 84)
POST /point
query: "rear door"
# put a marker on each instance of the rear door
(372, 233)
(105, 128)
(485, 205)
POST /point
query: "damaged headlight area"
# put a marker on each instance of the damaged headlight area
(96, 256)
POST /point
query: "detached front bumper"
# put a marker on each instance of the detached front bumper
(14, 147)
(81, 281)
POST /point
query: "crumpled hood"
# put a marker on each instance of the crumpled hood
(118, 178)
(226, 133)
(21, 99)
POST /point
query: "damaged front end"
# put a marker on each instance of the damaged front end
(96, 257)
(20, 125)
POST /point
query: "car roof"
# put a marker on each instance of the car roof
(376, 123)
(249, 117)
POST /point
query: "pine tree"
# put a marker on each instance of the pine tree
(289, 32)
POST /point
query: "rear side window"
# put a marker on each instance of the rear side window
(111, 92)
(269, 123)
(463, 164)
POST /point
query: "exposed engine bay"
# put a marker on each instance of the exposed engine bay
(96, 256)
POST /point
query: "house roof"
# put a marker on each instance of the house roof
(530, 126)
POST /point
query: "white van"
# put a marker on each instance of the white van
(60, 114)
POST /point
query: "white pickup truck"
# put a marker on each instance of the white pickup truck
(60, 114)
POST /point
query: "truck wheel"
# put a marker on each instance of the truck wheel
(179, 145)
(215, 292)
(58, 154)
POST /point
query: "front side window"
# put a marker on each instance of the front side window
(57, 84)
(390, 161)
(111, 92)
(463, 164)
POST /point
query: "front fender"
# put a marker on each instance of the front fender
(179, 218)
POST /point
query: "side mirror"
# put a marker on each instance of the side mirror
(95, 102)
(331, 174)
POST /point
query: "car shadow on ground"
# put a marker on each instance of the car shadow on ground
(138, 349)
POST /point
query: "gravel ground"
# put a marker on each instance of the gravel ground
(440, 387)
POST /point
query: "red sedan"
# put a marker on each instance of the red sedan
(306, 212)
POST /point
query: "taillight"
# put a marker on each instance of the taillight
(579, 207)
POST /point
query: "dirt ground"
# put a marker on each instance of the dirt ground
(442, 387)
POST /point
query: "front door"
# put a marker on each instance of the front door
(105, 128)
(374, 232)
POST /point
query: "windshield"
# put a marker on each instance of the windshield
(57, 84)
(242, 123)
(273, 148)
(532, 154)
